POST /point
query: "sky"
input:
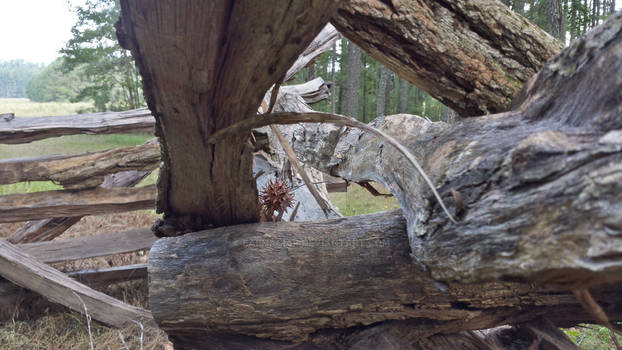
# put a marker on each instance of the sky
(34, 30)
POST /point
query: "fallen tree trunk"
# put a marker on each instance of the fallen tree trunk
(27, 272)
(536, 191)
(473, 56)
(28, 129)
(288, 281)
(38, 205)
(81, 171)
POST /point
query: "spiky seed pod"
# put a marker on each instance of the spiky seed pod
(276, 196)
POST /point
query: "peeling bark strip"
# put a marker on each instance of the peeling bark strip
(27, 129)
(81, 171)
(541, 186)
(472, 55)
(289, 280)
(203, 74)
(40, 205)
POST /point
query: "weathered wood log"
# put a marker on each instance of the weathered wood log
(110, 274)
(320, 44)
(471, 55)
(38, 205)
(27, 129)
(290, 280)
(81, 171)
(232, 64)
(90, 246)
(537, 189)
(48, 229)
(27, 272)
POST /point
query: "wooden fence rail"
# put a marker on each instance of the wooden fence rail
(48, 204)
(28, 129)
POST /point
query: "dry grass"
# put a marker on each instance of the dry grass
(68, 331)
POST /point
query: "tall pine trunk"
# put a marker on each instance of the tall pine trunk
(381, 91)
(354, 80)
(404, 90)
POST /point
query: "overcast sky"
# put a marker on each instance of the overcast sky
(34, 30)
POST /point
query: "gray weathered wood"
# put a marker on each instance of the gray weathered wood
(80, 171)
(473, 56)
(110, 274)
(48, 229)
(90, 246)
(27, 272)
(536, 190)
(27, 129)
(291, 280)
(39, 205)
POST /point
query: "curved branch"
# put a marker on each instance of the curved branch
(294, 118)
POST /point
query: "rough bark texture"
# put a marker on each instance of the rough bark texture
(27, 129)
(204, 74)
(289, 280)
(80, 171)
(27, 272)
(537, 190)
(472, 55)
(40, 205)
(353, 82)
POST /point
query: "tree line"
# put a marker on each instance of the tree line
(93, 67)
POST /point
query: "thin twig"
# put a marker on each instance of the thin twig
(88, 319)
(293, 216)
(316, 117)
(374, 192)
(594, 309)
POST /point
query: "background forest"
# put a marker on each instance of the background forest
(93, 67)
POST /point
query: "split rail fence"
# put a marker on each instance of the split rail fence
(93, 184)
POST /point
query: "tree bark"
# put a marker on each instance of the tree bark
(291, 281)
(532, 183)
(473, 56)
(232, 66)
(381, 91)
(404, 95)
